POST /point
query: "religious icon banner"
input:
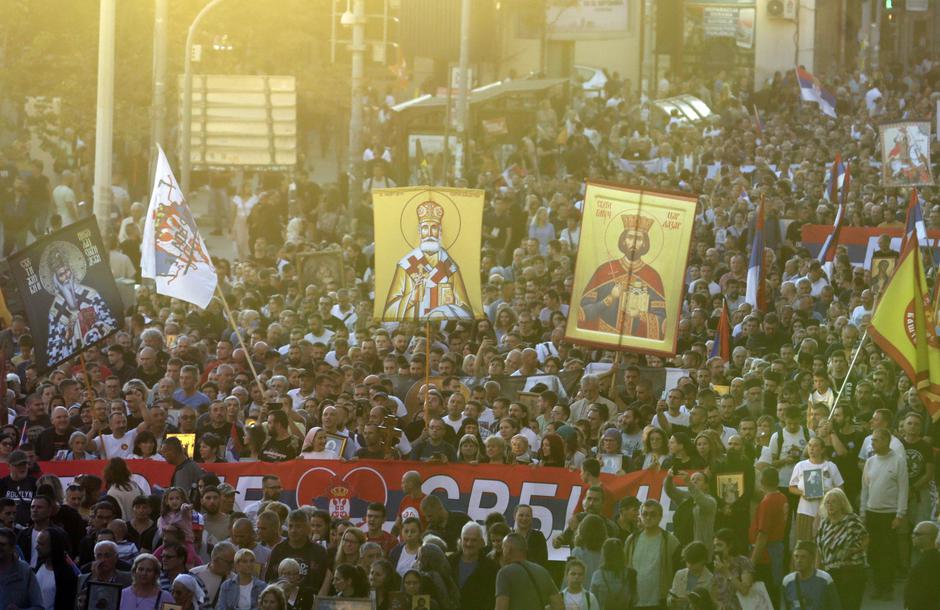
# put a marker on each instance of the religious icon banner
(427, 253)
(905, 153)
(630, 270)
(68, 292)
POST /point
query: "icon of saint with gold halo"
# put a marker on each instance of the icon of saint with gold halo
(427, 283)
(626, 296)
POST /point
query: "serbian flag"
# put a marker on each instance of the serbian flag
(914, 225)
(234, 445)
(811, 90)
(828, 251)
(172, 251)
(836, 179)
(722, 345)
(900, 327)
(755, 293)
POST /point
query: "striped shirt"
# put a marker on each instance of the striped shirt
(840, 542)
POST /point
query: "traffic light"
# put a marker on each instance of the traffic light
(889, 5)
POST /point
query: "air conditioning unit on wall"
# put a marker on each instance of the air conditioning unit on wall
(781, 9)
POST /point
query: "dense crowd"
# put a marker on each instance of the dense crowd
(836, 493)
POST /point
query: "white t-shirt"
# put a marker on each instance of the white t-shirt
(33, 552)
(453, 424)
(682, 419)
(244, 596)
(46, 579)
(794, 442)
(580, 601)
(117, 447)
(406, 561)
(64, 199)
(829, 475)
(323, 337)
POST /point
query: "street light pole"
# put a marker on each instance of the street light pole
(187, 126)
(463, 110)
(158, 126)
(355, 114)
(104, 121)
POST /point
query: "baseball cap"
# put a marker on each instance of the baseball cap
(226, 490)
(17, 457)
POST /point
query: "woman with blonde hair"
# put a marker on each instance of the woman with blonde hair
(144, 591)
(709, 448)
(495, 448)
(347, 551)
(841, 541)
(243, 590)
(541, 229)
(288, 584)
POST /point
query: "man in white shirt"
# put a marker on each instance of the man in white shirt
(305, 391)
(675, 413)
(881, 419)
(590, 394)
(318, 332)
(786, 448)
(883, 507)
(120, 443)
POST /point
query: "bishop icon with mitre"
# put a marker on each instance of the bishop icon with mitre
(427, 283)
(625, 295)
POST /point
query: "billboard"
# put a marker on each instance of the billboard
(243, 121)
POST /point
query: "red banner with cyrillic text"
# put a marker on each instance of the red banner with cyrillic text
(345, 489)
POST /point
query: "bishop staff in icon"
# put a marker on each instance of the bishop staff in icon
(431, 280)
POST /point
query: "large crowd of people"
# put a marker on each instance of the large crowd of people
(799, 472)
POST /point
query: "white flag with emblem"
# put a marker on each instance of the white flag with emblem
(173, 253)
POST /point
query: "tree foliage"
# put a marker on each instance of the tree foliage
(50, 48)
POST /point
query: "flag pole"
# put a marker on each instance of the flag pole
(858, 350)
(427, 373)
(81, 358)
(231, 320)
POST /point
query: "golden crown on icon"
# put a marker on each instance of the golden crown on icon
(430, 212)
(637, 222)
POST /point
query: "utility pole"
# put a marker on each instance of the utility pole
(104, 121)
(463, 99)
(187, 126)
(158, 124)
(354, 169)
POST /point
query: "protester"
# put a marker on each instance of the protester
(841, 541)
(782, 391)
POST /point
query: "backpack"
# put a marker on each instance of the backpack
(780, 439)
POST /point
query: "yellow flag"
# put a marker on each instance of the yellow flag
(5, 316)
(900, 328)
(427, 253)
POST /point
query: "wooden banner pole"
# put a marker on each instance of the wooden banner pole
(231, 320)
